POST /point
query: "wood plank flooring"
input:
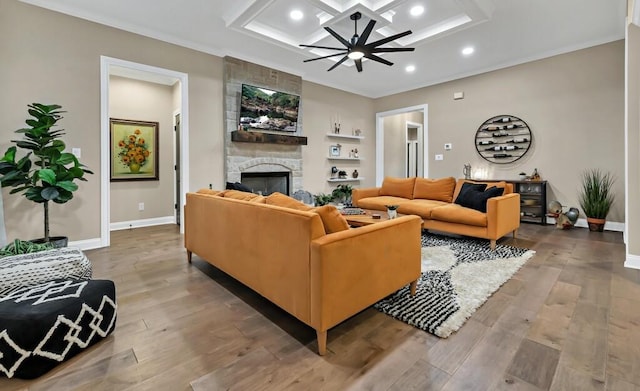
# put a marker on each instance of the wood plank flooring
(568, 320)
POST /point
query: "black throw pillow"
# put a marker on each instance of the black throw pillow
(237, 186)
(468, 192)
(241, 187)
(477, 199)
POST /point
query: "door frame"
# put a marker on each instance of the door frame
(380, 138)
(105, 167)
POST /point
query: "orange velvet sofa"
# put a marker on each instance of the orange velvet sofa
(305, 260)
(433, 201)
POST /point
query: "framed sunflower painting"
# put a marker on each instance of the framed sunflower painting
(134, 150)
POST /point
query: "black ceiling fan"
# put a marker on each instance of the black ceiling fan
(356, 47)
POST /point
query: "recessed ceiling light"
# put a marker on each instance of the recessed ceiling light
(468, 51)
(416, 10)
(296, 15)
(410, 68)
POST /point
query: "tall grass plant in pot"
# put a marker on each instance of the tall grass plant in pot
(45, 173)
(596, 197)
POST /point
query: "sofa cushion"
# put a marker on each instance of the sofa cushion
(285, 201)
(398, 187)
(380, 202)
(421, 208)
(258, 199)
(332, 219)
(208, 192)
(434, 189)
(475, 196)
(239, 195)
(454, 213)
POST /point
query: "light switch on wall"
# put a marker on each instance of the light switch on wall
(439, 157)
(448, 146)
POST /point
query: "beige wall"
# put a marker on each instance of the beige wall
(633, 141)
(573, 103)
(144, 101)
(320, 104)
(57, 60)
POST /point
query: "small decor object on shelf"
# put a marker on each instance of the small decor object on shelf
(336, 128)
(334, 172)
(334, 150)
(500, 134)
(535, 176)
(355, 174)
(392, 211)
(357, 132)
(342, 174)
(466, 171)
(355, 153)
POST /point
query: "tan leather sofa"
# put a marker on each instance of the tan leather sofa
(433, 200)
(287, 256)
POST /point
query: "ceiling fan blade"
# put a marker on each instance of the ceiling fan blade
(378, 59)
(386, 40)
(338, 37)
(359, 64)
(391, 50)
(334, 66)
(365, 34)
(323, 57)
(321, 47)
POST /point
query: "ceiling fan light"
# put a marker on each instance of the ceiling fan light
(355, 55)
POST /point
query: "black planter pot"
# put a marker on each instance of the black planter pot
(57, 241)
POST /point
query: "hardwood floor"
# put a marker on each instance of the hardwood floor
(568, 320)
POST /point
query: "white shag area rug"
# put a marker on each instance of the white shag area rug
(458, 276)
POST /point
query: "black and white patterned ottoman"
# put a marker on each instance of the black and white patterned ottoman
(29, 269)
(45, 324)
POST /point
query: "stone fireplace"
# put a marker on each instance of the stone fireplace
(255, 159)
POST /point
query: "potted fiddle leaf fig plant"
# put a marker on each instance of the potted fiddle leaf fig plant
(596, 197)
(45, 173)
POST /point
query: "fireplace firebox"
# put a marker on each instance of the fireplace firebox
(266, 183)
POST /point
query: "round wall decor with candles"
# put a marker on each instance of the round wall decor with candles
(503, 139)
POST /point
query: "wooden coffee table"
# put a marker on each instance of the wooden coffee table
(366, 219)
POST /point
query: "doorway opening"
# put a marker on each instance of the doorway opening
(421, 145)
(112, 66)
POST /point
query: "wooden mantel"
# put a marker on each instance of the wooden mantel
(244, 136)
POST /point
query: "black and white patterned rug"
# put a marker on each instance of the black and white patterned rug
(458, 276)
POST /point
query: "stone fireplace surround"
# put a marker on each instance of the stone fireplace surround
(258, 157)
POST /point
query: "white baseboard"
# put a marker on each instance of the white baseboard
(142, 223)
(632, 262)
(87, 244)
(582, 223)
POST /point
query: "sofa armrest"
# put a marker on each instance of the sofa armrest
(503, 215)
(357, 194)
(353, 269)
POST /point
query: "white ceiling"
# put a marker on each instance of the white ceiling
(503, 33)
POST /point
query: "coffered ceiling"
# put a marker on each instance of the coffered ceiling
(500, 32)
